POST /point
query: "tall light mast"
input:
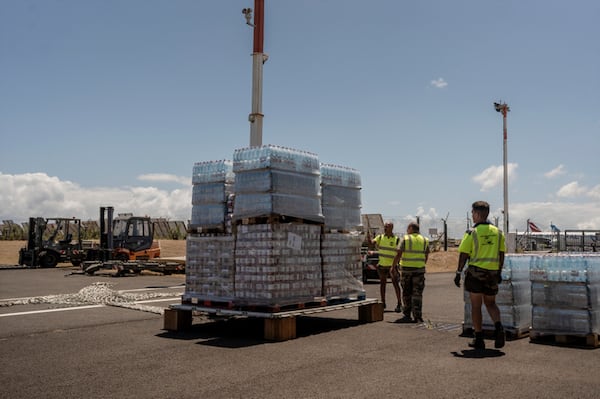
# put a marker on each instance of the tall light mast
(258, 59)
(503, 109)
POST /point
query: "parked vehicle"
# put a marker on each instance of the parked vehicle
(370, 259)
(58, 240)
(51, 241)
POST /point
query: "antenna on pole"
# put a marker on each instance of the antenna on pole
(258, 59)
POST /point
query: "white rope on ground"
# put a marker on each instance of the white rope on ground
(96, 293)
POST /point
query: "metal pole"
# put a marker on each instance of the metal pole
(445, 235)
(503, 108)
(506, 225)
(258, 59)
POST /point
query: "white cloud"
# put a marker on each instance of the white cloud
(494, 176)
(565, 215)
(165, 178)
(37, 194)
(439, 83)
(594, 192)
(571, 190)
(558, 171)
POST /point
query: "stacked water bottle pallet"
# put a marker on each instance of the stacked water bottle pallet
(209, 269)
(212, 197)
(341, 203)
(342, 266)
(268, 253)
(565, 294)
(271, 180)
(513, 300)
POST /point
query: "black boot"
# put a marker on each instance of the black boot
(499, 336)
(478, 342)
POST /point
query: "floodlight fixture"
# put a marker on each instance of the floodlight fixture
(248, 15)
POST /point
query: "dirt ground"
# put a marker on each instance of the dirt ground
(438, 261)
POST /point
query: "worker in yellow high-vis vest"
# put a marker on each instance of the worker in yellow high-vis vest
(483, 247)
(411, 257)
(386, 248)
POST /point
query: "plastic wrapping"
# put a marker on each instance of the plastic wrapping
(211, 193)
(564, 294)
(341, 218)
(209, 269)
(561, 295)
(565, 321)
(278, 264)
(341, 197)
(569, 268)
(209, 214)
(277, 181)
(337, 175)
(275, 157)
(255, 205)
(342, 265)
(212, 171)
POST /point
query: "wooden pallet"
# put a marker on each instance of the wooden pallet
(579, 341)
(211, 303)
(279, 326)
(243, 306)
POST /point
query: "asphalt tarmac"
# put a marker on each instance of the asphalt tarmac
(51, 350)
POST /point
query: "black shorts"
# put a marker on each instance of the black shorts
(481, 281)
(384, 271)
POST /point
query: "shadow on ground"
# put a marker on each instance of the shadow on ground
(244, 332)
(478, 353)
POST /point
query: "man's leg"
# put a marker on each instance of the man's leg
(476, 302)
(418, 285)
(383, 273)
(406, 281)
(476, 316)
(492, 308)
(395, 274)
(494, 312)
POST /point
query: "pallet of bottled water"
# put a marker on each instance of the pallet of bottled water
(209, 269)
(275, 157)
(340, 197)
(565, 296)
(273, 180)
(277, 264)
(341, 265)
(212, 190)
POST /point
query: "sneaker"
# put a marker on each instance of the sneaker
(477, 343)
(499, 338)
(418, 320)
(398, 309)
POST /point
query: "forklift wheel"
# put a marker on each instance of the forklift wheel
(48, 259)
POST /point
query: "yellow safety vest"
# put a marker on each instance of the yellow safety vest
(483, 244)
(413, 253)
(386, 247)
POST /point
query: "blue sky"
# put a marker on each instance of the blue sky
(111, 103)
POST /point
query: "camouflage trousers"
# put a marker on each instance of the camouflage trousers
(413, 284)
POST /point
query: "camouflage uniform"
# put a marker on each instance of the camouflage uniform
(412, 281)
